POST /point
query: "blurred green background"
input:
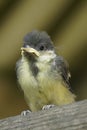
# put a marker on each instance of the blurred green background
(66, 23)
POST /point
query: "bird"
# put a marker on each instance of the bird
(43, 75)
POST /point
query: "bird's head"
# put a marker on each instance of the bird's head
(37, 45)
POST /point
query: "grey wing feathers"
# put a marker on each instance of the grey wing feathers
(63, 69)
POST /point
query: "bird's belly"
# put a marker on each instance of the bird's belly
(49, 92)
(44, 89)
(39, 94)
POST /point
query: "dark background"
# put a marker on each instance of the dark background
(66, 23)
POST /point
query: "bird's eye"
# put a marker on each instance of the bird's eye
(42, 48)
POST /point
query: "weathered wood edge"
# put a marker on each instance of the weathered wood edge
(68, 117)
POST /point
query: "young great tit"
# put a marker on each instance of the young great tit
(42, 74)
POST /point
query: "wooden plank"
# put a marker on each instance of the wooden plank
(68, 117)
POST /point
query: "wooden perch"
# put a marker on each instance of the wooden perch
(68, 117)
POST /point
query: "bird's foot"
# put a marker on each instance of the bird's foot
(46, 107)
(26, 112)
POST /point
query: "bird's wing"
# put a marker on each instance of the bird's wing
(62, 68)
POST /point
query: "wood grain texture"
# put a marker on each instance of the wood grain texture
(68, 117)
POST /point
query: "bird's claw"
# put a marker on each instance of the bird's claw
(26, 112)
(46, 107)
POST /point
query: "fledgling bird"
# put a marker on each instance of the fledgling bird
(42, 74)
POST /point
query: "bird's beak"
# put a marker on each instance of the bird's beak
(30, 50)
